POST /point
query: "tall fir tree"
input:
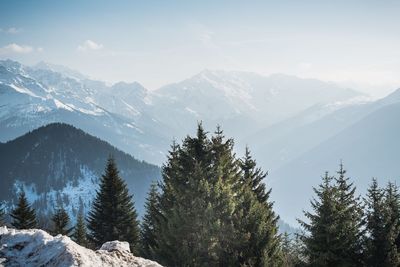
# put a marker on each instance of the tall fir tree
(392, 225)
(335, 230)
(113, 215)
(2, 216)
(80, 234)
(23, 216)
(321, 241)
(349, 221)
(257, 222)
(376, 244)
(202, 204)
(148, 232)
(61, 222)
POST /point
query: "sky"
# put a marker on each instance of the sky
(354, 43)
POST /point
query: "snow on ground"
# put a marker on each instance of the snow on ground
(81, 192)
(37, 248)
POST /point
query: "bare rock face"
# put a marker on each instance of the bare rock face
(37, 248)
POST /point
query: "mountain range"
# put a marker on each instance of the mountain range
(296, 128)
(143, 122)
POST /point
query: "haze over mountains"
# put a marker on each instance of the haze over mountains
(297, 128)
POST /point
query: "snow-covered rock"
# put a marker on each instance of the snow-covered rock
(37, 248)
(116, 245)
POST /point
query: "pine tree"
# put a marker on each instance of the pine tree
(113, 215)
(349, 220)
(321, 241)
(392, 225)
(376, 245)
(335, 231)
(148, 233)
(209, 212)
(254, 176)
(61, 221)
(1, 216)
(23, 215)
(80, 230)
(257, 220)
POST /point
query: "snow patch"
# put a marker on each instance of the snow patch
(59, 105)
(116, 245)
(23, 90)
(37, 248)
(78, 193)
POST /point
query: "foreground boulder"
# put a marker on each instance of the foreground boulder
(38, 248)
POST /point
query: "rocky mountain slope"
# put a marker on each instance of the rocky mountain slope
(143, 122)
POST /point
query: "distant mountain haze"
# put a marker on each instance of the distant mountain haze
(296, 128)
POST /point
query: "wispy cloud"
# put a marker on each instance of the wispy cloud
(16, 48)
(11, 30)
(89, 45)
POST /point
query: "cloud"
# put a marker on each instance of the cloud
(15, 48)
(40, 49)
(89, 45)
(11, 30)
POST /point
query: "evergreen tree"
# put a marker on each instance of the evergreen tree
(257, 221)
(208, 212)
(113, 215)
(23, 216)
(254, 176)
(349, 220)
(1, 216)
(148, 233)
(60, 222)
(320, 240)
(80, 230)
(334, 231)
(392, 225)
(376, 245)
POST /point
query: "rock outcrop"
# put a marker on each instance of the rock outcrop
(37, 248)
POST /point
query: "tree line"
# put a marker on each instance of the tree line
(212, 208)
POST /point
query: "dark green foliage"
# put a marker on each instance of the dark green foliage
(72, 148)
(376, 251)
(23, 216)
(254, 177)
(80, 234)
(260, 244)
(1, 216)
(392, 223)
(210, 212)
(60, 220)
(320, 241)
(113, 216)
(382, 216)
(349, 220)
(334, 232)
(148, 233)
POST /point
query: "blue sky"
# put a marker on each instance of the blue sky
(157, 42)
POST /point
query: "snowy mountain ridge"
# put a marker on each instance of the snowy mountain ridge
(143, 122)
